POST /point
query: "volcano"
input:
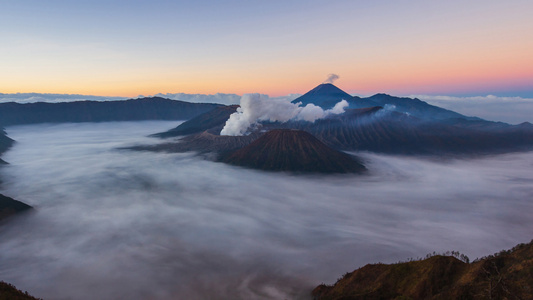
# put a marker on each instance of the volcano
(325, 95)
(293, 151)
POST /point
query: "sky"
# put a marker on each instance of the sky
(129, 48)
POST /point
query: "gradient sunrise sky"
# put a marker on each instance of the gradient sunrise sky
(130, 47)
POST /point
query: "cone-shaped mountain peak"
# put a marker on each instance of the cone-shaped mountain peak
(293, 151)
(325, 95)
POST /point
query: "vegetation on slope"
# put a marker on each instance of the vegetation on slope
(506, 275)
(10, 292)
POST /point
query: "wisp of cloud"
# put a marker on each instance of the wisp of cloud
(331, 78)
(120, 224)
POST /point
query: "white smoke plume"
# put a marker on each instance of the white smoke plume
(255, 108)
(331, 78)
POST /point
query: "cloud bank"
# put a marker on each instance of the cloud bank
(513, 110)
(256, 108)
(117, 224)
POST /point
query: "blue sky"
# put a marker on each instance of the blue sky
(127, 48)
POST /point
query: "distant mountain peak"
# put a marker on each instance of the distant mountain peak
(325, 95)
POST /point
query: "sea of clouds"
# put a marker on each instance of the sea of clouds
(120, 224)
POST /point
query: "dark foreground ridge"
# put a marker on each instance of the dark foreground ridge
(506, 275)
(293, 151)
(10, 292)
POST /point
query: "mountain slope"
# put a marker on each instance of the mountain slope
(294, 151)
(9, 207)
(379, 130)
(212, 119)
(413, 107)
(507, 275)
(10, 292)
(325, 95)
(154, 108)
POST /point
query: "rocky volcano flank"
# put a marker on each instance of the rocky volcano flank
(293, 151)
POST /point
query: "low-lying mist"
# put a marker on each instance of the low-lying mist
(120, 224)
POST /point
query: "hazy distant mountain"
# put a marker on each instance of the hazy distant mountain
(413, 107)
(94, 111)
(294, 151)
(506, 275)
(325, 95)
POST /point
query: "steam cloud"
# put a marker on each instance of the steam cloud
(255, 108)
(331, 78)
(117, 224)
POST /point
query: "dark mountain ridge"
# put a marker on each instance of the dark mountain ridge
(154, 108)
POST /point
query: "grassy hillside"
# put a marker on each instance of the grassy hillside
(10, 292)
(506, 275)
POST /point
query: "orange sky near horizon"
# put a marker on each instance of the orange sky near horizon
(473, 47)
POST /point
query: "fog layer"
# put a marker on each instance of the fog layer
(113, 224)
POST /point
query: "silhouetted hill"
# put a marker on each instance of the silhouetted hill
(506, 275)
(10, 207)
(294, 151)
(212, 119)
(10, 292)
(325, 95)
(154, 108)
